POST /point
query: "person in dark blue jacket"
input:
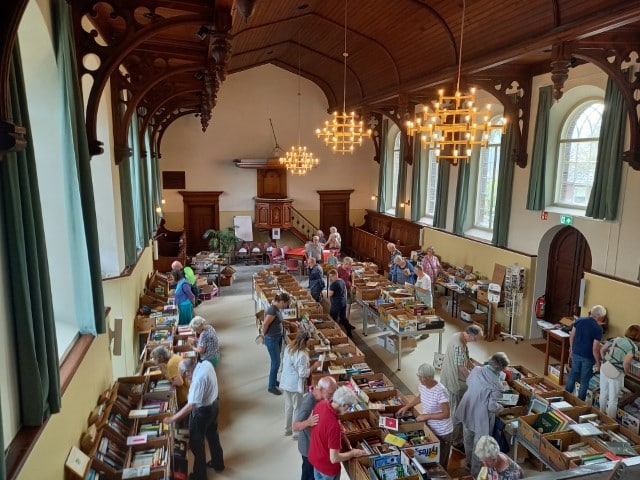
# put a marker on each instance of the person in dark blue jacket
(316, 279)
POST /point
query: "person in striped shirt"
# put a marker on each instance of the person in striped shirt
(435, 409)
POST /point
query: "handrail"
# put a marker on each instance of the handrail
(302, 223)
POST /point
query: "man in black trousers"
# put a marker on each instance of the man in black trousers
(202, 405)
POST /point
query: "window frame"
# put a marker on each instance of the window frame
(483, 153)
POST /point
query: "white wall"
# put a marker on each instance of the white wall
(613, 244)
(240, 128)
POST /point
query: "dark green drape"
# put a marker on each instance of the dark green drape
(3, 463)
(442, 193)
(36, 366)
(505, 187)
(73, 107)
(603, 201)
(418, 200)
(384, 161)
(462, 197)
(128, 220)
(536, 194)
(401, 193)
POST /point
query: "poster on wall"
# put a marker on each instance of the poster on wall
(275, 233)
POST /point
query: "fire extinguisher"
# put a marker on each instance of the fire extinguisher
(541, 304)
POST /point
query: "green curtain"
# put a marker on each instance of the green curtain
(3, 463)
(137, 185)
(80, 173)
(505, 187)
(603, 201)
(442, 193)
(128, 220)
(418, 200)
(536, 194)
(462, 196)
(36, 366)
(401, 193)
(382, 177)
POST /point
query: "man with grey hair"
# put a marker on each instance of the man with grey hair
(207, 344)
(305, 419)
(479, 405)
(314, 248)
(456, 367)
(584, 347)
(435, 409)
(324, 452)
(202, 406)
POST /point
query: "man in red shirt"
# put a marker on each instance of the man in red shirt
(324, 452)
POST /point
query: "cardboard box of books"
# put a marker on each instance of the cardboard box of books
(599, 418)
(538, 386)
(632, 437)
(391, 343)
(388, 402)
(532, 428)
(421, 444)
(372, 382)
(628, 413)
(347, 355)
(396, 465)
(559, 448)
(358, 422)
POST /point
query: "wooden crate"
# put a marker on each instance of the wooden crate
(554, 456)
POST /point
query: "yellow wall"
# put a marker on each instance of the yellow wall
(122, 296)
(461, 251)
(616, 297)
(64, 429)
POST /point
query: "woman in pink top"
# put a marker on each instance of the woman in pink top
(431, 265)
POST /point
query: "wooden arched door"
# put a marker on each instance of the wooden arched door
(569, 258)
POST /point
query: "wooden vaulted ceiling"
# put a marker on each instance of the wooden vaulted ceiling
(398, 50)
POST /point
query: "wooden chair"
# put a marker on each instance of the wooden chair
(256, 253)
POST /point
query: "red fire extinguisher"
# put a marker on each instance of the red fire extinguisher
(541, 304)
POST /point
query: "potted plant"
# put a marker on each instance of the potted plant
(221, 241)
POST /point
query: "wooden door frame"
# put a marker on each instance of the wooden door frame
(199, 198)
(336, 196)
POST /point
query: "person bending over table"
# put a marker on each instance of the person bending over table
(316, 279)
(338, 302)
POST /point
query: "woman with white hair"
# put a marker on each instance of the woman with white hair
(435, 409)
(479, 405)
(207, 344)
(324, 451)
(497, 464)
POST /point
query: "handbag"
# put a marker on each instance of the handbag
(610, 370)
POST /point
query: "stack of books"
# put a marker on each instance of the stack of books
(110, 453)
(153, 457)
(119, 424)
(375, 446)
(359, 424)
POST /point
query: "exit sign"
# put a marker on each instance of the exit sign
(566, 220)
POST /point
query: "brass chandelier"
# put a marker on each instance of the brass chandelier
(298, 160)
(454, 128)
(343, 133)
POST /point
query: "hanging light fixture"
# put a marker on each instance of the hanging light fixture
(343, 133)
(298, 160)
(454, 126)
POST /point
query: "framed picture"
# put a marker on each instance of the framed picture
(275, 233)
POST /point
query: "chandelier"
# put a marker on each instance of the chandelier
(298, 160)
(343, 133)
(456, 125)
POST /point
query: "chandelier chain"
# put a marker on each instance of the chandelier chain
(464, 9)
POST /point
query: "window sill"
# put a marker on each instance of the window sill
(562, 210)
(479, 234)
(426, 221)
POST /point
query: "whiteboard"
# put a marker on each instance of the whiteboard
(243, 226)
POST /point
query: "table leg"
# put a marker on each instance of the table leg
(563, 359)
(399, 350)
(440, 342)
(365, 318)
(546, 355)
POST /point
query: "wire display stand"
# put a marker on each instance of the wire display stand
(514, 283)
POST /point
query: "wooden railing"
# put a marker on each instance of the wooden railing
(302, 224)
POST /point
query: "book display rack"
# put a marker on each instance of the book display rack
(126, 437)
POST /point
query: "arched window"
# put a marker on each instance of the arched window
(577, 152)
(395, 171)
(487, 181)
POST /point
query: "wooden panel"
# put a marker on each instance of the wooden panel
(272, 183)
(201, 212)
(274, 213)
(173, 180)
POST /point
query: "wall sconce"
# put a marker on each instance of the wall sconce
(159, 210)
(163, 201)
(406, 203)
(374, 197)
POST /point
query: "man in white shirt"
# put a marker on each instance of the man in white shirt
(202, 405)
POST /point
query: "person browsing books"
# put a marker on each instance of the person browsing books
(498, 466)
(402, 271)
(202, 408)
(169, 364)
(207, 344)
(304, 419)
(479, 405)
(293, 379)
(316, 279)
(185, 299)
(345, 272)
(617, 355)
(338, 301)
(272, 331)
(423, 282)
(584, 346)
(324, 452)
(434, 399)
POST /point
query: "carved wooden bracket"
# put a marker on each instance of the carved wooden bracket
(168, 117)
(612, 53)
(503, 84)
(12, 137)
(399, 113)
